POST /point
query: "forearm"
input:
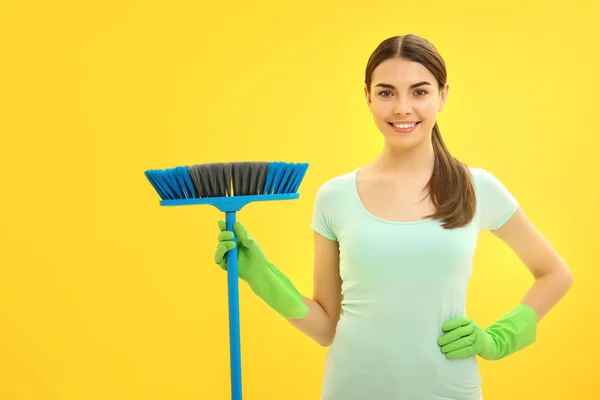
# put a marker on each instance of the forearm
(316, 324)
(547, 291)
(517, 329)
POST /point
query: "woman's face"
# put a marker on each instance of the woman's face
(405, 92)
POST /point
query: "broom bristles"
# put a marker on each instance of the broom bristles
(227, 179)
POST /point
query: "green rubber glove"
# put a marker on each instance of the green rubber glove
(265, 280)
(514, 331)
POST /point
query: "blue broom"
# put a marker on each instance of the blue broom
(229, 187)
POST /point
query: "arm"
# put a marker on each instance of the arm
(324, 308)
(317, 317)
(553, 279)
(516, 329)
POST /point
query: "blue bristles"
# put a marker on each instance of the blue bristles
(173, 183)
(284, 177)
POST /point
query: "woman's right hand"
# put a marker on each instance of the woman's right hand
(251, 259)
(264, 278)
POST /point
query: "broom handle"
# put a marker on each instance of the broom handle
(234, 313)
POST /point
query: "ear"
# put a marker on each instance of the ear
(443, 97)
(367, 95)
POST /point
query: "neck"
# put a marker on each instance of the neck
(416, 161)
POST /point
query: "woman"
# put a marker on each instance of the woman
(394, 242)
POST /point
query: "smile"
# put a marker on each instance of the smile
(404, 128)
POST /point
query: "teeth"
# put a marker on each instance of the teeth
(404, 126)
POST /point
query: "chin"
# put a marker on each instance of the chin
(413, 137)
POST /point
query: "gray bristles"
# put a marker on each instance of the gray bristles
(249, 178)
(229, 179)
(211, 180)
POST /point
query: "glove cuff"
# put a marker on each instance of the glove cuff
(279, 293)
(516, 330)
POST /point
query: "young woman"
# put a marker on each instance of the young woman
(393, 248)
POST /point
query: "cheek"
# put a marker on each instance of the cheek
(381, 109)
(426, 109)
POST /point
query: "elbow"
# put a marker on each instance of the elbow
(326, 340)
(564, 280)
(561, 276)
(569, 279)
(566, 277)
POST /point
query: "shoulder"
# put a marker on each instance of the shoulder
(496, 201)
(337, 185)
(481, 178)
(487, 186)
(478, 174)
(329, 203)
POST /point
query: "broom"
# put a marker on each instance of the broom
(229, 187)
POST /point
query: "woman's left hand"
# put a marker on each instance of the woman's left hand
(464, 338)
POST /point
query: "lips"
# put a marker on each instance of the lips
(404, 130)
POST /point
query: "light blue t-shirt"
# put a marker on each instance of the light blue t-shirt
(400, 282)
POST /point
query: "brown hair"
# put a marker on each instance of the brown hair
(450, 185)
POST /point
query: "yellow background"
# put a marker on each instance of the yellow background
(106, 295)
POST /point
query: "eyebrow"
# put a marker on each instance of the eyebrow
(386, 85)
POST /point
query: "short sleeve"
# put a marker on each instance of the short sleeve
(497, 203)
(322, 220)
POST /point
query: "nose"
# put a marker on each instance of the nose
(403, 106)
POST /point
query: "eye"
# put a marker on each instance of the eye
(421, 90)
(385, 91)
